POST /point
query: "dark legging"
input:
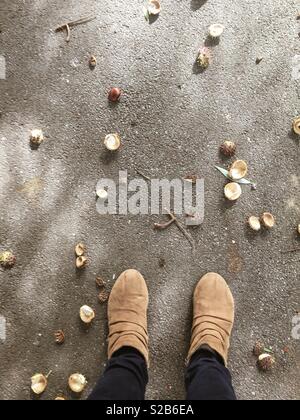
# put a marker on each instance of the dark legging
(126, 377)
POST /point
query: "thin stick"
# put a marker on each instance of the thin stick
(68, 33)
(142, 175)
(81, 21)
(75, 23)
(163, 226)
(182, 229)
(71, 24)
(291, 250)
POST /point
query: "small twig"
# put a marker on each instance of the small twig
(66, 26)
(75, 23)
(162, 226)
(291, 250)
(48, 374)
(181, 228)
(142, 175)
(68, 33)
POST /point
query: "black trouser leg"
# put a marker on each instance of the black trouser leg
(208, 379)
(125, 377)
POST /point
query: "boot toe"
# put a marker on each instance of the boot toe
(213, 285)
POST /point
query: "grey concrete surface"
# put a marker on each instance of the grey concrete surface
(172, 120)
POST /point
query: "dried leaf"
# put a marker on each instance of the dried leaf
(223, 171)
(242, 181)
(59, 337)
(100, 282)
(103, 296)
(146, 14)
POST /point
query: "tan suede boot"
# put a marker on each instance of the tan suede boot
(127, 314)
(213, 316)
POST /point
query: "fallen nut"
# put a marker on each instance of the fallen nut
(112, 142)
(86, 314)
(296, 125)
(81, 262)
(204, 57)
(258, 349)
(39, 383)
(162, 262)
(216, 30)
(233, 191)
(103, 296)
(77, 383)
(92, 61)
(154, 7)
(7, 259)
(60, 399)
(228, 148)
(114, 94)
(80, 250)
(268, 220)
(59, 337)
(266, 362)
(36, 137)
(254, 223)
(298, 229)
(100, 282)
(238, 170)
(102, 194)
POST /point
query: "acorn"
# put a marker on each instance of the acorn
(60, 399)
(154, 7)
(93, 62)
(216, 30)
(204, 57)
(39, 383)
(266, 362)
(7, 259)
(268, 220)
(296, 125)
(258, 349)
(59, 337)
(80, 250)
(254, 223)
(77, 383)
(100, 282)
(238, 170)
(81, 262)
(103, 296)
(114, 94)
(233, 191)
(102, 194)
(298, 229)
(86, 314)
(36, 137)
(112, 142)
(228, 148)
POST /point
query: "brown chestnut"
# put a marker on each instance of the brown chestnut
(114, 94)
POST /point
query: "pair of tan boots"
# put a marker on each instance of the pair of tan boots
(212, 322)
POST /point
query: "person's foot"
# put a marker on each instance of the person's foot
(213, 316)
(127, 314)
